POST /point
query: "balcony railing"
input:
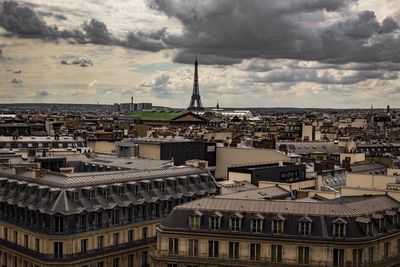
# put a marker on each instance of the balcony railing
(224, 259)
(80, 255)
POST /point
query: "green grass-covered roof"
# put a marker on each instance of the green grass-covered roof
(156, 115)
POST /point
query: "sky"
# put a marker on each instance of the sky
(252, 53)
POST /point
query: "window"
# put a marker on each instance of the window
(398, 247)
(193, 247)
(172, 265)
(276, 253)
(144, 258)
(234, 250)
(130, 236)
(107, 194)
(37, 244)
(15, 237)
(371, 255)
(144, 233)
(84, 245)
(304, 228)
(115, 238)
(234, 224)
(82, 222)
(5, 233)
(338, 257)
(100, 241)
(195, 221)
(173, 246)
(215, 222)
(100, 264)
(255, 251)
(114, 217)
(91, 195)
(339, 228)
(26, 240)
(357, 257)
(115, 262)
(256, 225)
(277, 226)
(130, 260)
(58, 249)
(386, 250)
(213, 248)
(98, 219)
(304, 255)
(121, 191)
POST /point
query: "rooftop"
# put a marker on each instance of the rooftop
(355, 207)
(76, 180)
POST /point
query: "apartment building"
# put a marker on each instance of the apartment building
(349, 231)
(87, 219)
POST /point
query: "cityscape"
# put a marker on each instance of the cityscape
(188, 133)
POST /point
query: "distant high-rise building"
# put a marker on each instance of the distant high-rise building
(195, 102)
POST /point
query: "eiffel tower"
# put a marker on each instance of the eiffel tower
(195, 102)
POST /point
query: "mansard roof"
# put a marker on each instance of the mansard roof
(354, 212)
(86, 192)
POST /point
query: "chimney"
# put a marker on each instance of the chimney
(36, 173)
(67, 170)
(18, 169)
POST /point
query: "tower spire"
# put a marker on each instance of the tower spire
(195, 101)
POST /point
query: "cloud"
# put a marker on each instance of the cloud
(17, 81)
(25, 21)
(42, 93)
(159, 87)
(237, 30)
(97, 32)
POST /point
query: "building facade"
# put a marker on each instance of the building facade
(354, 231)
(89, 219)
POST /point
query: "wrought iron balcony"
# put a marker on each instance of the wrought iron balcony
(224, 259)
(141, 243)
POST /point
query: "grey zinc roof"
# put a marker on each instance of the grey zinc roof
(303, 148)
(359, 207)
(99, 178)
(273, 192)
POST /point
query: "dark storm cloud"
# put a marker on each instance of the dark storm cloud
(97, 32)
(238, 29)
(24, 20)
(145, 41)
(326, 77)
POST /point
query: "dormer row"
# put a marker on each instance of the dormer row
(257, 223)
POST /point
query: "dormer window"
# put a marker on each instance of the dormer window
(90, 194)
(121, 191)
(107, 194)
(339, 228)
(278, 224)
(74, 197)
(195, 219)
(380, 221)
(392, 217)
(235, 222)
(256, 223)
(304, 225)
(215, 221)
(365, 224)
